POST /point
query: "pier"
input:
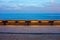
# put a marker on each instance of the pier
(29, 22)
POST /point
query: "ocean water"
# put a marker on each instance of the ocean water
(29, 16)
(29, 32)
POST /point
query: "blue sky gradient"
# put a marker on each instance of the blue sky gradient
(48, 6)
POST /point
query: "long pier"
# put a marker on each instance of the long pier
(29, 22)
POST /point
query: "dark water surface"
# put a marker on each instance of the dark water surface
(29, 37)
(34, 32)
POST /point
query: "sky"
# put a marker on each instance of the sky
(49, 6)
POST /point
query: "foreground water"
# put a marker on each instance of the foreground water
(29, 37)
(29, 16)
(30, 28)
(32, 32)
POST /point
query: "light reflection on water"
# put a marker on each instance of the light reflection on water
(30, 29)
(32, 26)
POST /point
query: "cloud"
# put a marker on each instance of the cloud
(23, 3)
(43, 5)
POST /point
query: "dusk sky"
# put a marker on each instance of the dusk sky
(30, 6)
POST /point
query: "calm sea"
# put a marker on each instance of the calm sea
(29, 16)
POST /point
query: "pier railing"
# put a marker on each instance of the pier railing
(29, 22)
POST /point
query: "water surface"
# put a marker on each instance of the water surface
(29, 16)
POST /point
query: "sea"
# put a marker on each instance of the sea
(29, 16)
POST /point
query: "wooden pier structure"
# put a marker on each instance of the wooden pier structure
(29, 22)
